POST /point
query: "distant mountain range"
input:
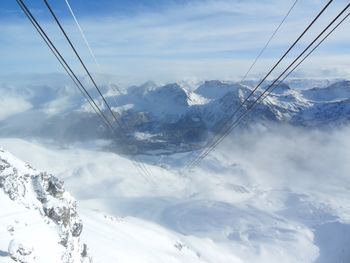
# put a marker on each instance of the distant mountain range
(172, 117)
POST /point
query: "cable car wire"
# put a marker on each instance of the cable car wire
(218, 139)
(268, 42)
(81, 61)
(63, 62)
(272, 85)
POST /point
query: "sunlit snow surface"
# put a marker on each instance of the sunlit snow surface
(270, 195)
(28, 226)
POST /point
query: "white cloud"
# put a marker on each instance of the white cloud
(12, 105)
(300, 159)
(203, 39)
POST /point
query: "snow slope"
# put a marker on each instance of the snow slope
(128, 239)
(279, 198)
(38, 219)
(32, 232)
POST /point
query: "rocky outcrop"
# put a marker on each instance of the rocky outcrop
(45, 194)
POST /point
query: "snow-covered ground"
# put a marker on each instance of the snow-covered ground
(38, 218)
(271, 195)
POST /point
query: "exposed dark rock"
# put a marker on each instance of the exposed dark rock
(55, 187)
(60, 215)
(77, 228)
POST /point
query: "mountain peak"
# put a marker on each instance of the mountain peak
(215, 89)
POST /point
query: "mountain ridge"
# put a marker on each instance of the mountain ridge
(174, 117)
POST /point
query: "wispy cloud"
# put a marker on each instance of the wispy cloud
(203, 39)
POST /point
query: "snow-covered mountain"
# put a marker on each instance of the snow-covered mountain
(172, 117)
(330, 113)
(38, 218)
(335, 92)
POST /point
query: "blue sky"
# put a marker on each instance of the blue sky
(167, 40)
(88, 8)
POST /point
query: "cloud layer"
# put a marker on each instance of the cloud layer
(287, 157)
(202, 39)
